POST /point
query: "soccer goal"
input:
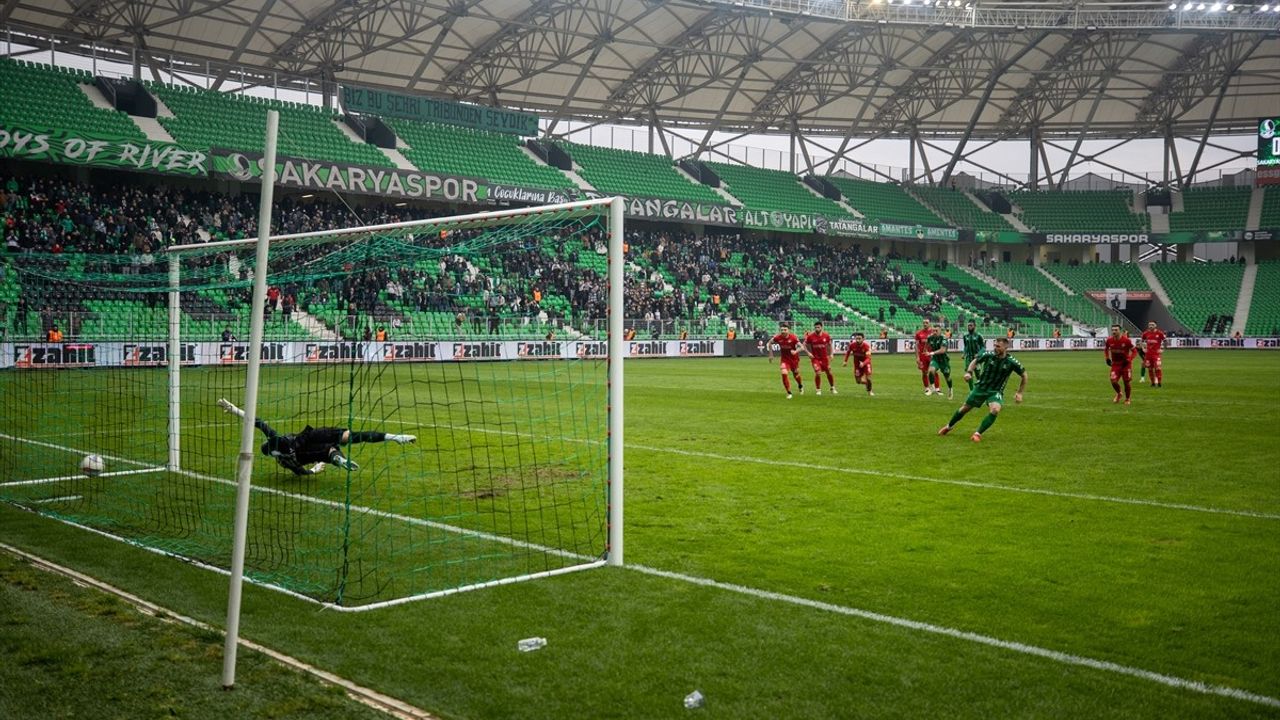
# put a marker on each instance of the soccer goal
(431, 417)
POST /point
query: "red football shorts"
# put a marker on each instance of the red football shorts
(790, 363)
(862, 369)
(820, 364)
(1121, 372)
(922, 361)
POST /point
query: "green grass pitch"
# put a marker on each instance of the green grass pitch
(1145, 538)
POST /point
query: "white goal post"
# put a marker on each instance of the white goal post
(608, 214)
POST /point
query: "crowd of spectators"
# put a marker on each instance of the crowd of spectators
(671, 276)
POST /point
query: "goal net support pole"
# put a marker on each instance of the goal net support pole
(616, 312)
(175, 362)
(245, 467)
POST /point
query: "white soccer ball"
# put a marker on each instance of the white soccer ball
(92, 465)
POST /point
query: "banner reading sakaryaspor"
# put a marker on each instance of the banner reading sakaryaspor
(384, 181)
(63, 146)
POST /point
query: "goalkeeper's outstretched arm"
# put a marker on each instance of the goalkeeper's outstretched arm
(259, 423)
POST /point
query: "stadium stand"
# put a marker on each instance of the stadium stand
(1264, 311)
(46, 97)
(1270, 208)
(1078, 211)
(1082, 278)
(206, 119)
(1199, 292)
(959, 210)
(1215, 208)
(967, 298)
(761, 189)
(1038, 288)
(474, 153)
(884, 201)
(636, 174)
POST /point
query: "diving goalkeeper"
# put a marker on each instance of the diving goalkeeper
(307, 452)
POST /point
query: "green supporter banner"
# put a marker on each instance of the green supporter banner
(846, 227)
(780, 221)
(1184, 237)
(386, 182)
(412, 107)
(918, 232)
(63, 146)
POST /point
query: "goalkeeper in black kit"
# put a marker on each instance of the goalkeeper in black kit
(308, 452)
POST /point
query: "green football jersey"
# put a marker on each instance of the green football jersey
(992, 372)
(937, 342)
(973, 345)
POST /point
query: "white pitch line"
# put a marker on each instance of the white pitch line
(64, 448)
(109, 433)
(963, 483)
(65, 478)
(378, 701)
(1023, 648)
(875, 473)
(63, 498)
(1017, 647)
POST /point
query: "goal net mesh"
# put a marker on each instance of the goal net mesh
(458, 333)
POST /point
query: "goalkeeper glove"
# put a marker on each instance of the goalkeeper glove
(344, 462)
(228, 407)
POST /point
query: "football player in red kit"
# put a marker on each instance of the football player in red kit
(789, 348)
(1153, 339)
(860, 349)
(1119, 352)
(818, 345)
(924, 356)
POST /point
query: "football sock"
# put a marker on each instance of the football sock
(987, 422)
(924, 378)
(1143, 372)
(831, 380)
(1116, 386)
(948, 382)
(955, 418)
(367, 436)
(1159, 376)
(936, 385)
(799, 384)
(1127, 391)
(868, 384)
(817, 381)
(786, 383)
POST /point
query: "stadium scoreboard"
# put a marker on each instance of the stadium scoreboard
(1268, 142)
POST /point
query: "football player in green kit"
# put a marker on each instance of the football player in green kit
(939, 361)
(973, 346)
(989, 371)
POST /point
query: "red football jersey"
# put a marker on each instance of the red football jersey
(787, 343)
(819, 344)
(1154, 340)
(922, 341)
(859, 351)
(1120, 351)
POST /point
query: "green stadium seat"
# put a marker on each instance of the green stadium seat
(884, 202)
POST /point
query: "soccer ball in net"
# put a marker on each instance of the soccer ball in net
(92, 465)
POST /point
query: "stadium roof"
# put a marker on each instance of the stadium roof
(858, 69)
